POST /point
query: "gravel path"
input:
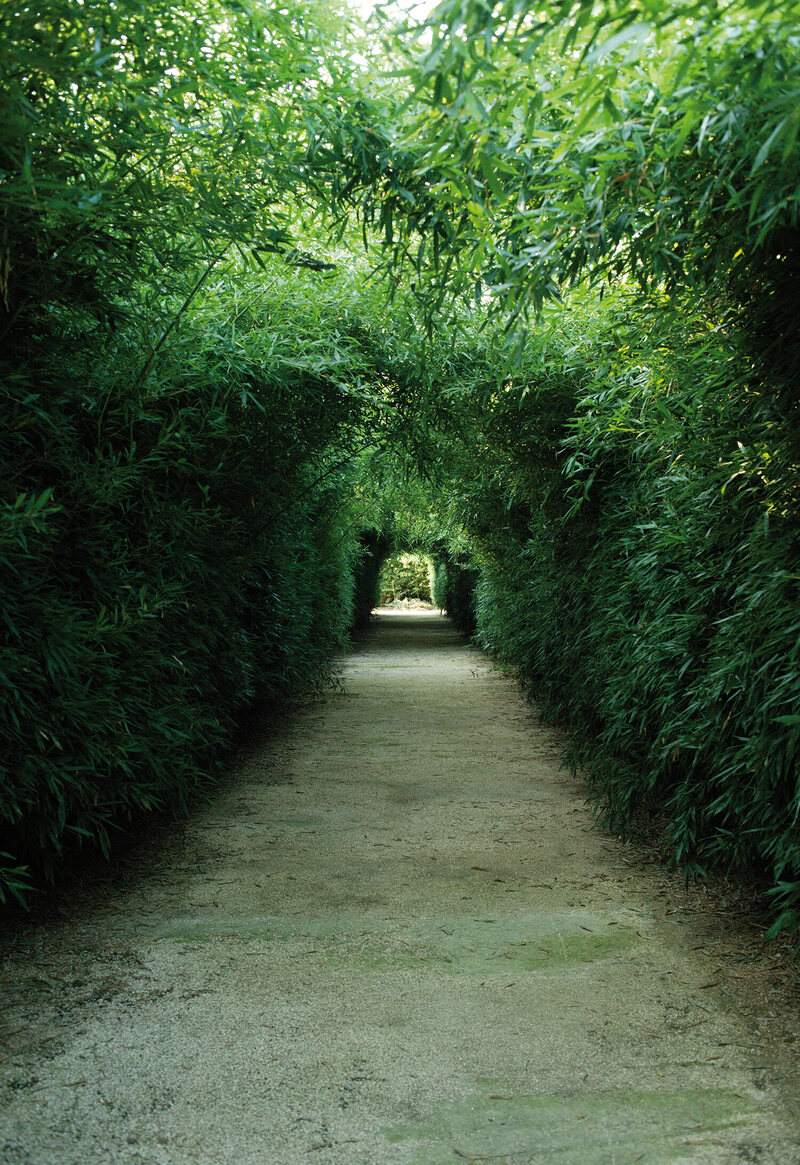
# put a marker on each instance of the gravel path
(394, 937)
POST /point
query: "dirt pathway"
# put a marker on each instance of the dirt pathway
(394, 938)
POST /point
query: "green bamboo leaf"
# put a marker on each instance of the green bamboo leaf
(764, 150)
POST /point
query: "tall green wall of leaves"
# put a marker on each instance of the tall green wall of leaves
(637, 536)
(167, 559)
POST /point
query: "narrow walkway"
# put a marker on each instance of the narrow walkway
(395, 937)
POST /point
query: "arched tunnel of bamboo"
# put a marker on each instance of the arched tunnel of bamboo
(399, 567)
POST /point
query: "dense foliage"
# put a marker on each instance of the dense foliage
(521, 298)
(405, 576)
(643, 580)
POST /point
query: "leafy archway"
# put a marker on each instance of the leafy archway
(519, 294)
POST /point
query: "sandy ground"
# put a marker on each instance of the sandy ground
(394, 937)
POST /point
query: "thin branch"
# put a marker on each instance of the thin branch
(209, 268)
(285, 509)
(352, 525)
